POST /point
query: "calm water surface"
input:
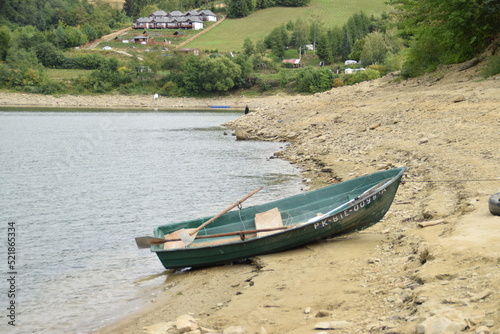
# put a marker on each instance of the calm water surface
(79, 187)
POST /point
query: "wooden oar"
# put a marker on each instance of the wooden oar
(146, 242)
(188, 235)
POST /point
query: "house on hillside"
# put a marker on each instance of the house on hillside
(175, 20)
(158, 14)
(207, 15)
(140, 39)
(294, 62)
(175, 13)
(143, 23)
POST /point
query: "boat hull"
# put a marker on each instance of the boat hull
(351, 206)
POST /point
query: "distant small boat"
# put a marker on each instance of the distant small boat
(221, 107)
(280, 225)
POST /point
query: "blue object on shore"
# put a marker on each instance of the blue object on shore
(220, 107)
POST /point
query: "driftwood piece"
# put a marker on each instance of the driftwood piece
(432, 223)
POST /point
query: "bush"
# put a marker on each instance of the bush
(492, 67)
(393, 62)
(314, 80)
(85, 62)
(50, 88)
(170, 89)
(338, 82)
(381, 69)
(368, 74)
(143, 87)
(267, 84)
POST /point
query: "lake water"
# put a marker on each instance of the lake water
(77, 187)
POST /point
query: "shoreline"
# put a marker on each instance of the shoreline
(396, 275)
(132, 102)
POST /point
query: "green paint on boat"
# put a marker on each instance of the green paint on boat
(331, 211)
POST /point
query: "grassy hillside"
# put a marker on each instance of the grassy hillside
(230, 34)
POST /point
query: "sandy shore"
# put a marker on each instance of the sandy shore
(434, 259)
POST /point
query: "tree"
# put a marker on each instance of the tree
(292, 3)
(357, 49)
(238, 8)
(90, 32)
(262, 4)
(148, 10)
(324, 49)
(246, 68)
(133, 7)
(260, 47)
(336, 39)
(26, 37)
(191, 79)
(4, 41)
(446, 31)
(248, 47)
(74, 37)
(218, 74)
(315, 29)
(277, 40)
(299, 34)
(314, 80)
(173, 63)
(346, 46)
(108, 77)
(23, 69)
(49, 55)
(374, 49)
(153, 61)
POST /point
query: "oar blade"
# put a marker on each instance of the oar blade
(146, 242)
(186, 237)
(174, 239)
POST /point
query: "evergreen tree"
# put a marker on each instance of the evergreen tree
(324, 49)
(238, 8)
(346, 43)
(262, 4)
(299, 34)
(4, 42)
(260, 47)
(336, 38)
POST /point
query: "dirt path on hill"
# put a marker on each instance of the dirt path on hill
(94, 44)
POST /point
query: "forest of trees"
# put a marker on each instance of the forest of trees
(362, 38)
(242, 8)
(137, 8)
(445, 31)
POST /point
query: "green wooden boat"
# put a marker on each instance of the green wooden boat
(283, 224)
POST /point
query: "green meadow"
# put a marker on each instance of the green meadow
(230, 34)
